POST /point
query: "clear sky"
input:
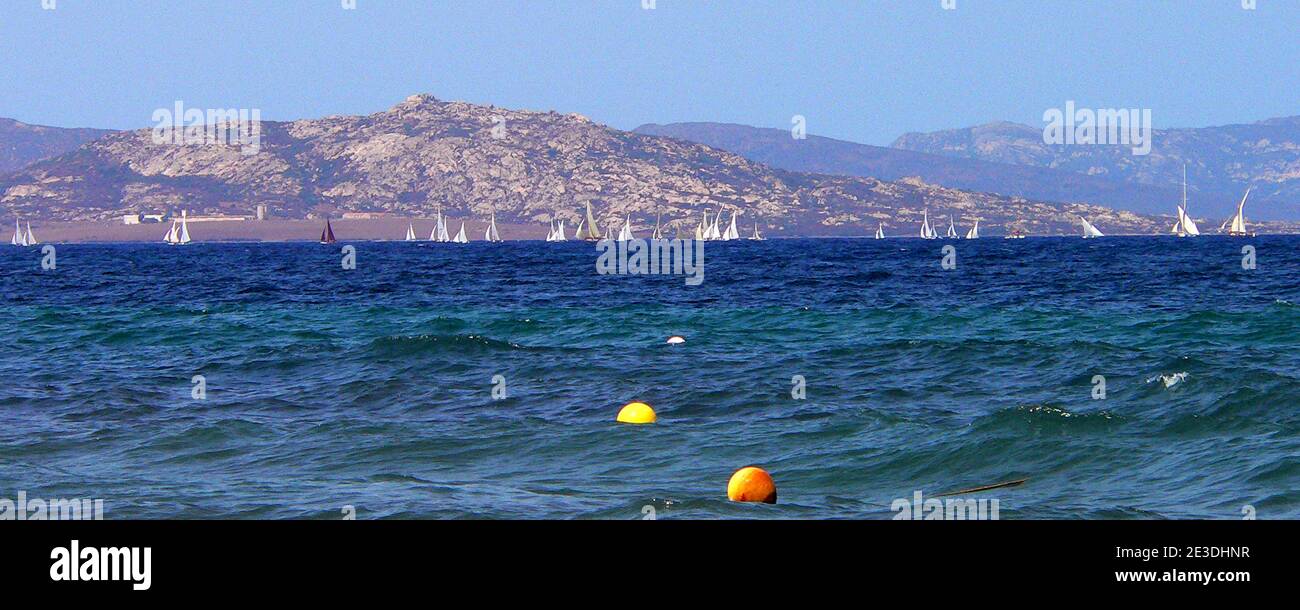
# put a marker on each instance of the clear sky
(862, 70)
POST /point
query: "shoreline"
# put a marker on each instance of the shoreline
(380, 229)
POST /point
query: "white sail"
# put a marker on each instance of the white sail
(702, 231)
(927, 232)
(625, 233)
(1089, 231)
(184, 237)
(974, 232)
(460, 237)
(699, 233)
(952, 229)
(593, 230)
(491, 234)
(410, 231)
(1239, 221)
(658, 232)
(880, 230)
(732, 231)
(578, 233)
(29, 239)
(550, 232)
(757, 236)
(17, 239)
(172, 233)
(714, 231)
(1186, 226)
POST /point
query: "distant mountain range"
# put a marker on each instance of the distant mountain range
(1011, 159)
(22, 144)
(1221, 161)
(425, 154)
(777, 148)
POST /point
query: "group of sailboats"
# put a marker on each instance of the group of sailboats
(928, 232)
(557, 232)
(21, 238)
(441, 235)
(178, 234)
(707, 230)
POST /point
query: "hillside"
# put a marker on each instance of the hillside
(424, 153)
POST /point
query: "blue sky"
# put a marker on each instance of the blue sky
(862, 70)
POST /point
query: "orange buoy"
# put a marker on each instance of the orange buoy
(637, 413)
(751, 484)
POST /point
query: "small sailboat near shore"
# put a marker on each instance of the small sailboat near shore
(952, 229)
(410, 231)
(927, 231)
(179, 234)
(327, 234)
(756, 236)
(731, 232)
(491, 234)
(1089, 231)
(439, 233)
(460, 237)
(20, 238)
(593, 230)
(1238, 228)
(974, 232)
(1184, 226)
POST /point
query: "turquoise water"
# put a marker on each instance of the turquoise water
(373, 387)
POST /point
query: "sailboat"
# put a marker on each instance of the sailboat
(927, 232)
(756, 236)
(182, 239)
(1089, 231)
(170, 236)
(1238, 228)
(439, 232)
(625, 234)
(702, 231)
(460, 237)
(974, 232)
(29, 239)
(327, 234)
(578, 234)
(1184, 226)
(19, 239)
(714, 232)
(559, 232)
(952, 229)
(880, 230)
(593, 231)
(491, 233)
(658, 232)
(732, 232)
(550, 233)
(410, 231)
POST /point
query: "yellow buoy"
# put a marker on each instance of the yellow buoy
(751, 484)
(636, 413)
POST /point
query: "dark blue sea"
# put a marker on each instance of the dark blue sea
(373, 388)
